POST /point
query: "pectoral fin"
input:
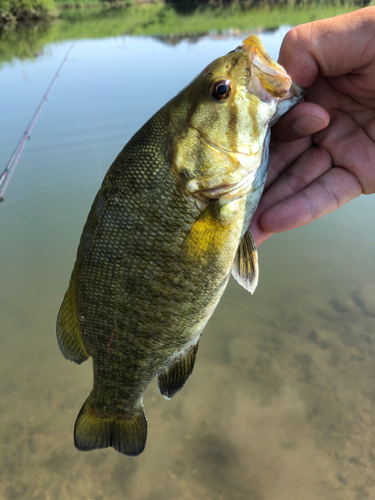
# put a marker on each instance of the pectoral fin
(211, 232)
(67, 329)
(204, 237)
(172, 380)
(245, 267)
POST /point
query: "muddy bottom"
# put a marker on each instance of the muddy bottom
(280, 404)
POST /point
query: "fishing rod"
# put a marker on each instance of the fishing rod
(11, 165)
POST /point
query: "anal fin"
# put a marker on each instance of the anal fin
(126, 433)
(67, 329)
(245, 268)
(172, 380)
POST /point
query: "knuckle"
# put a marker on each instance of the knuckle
(310, 207)
(295, 183)
(329, 191)
(293, 37)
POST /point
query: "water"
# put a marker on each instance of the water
(281, 402)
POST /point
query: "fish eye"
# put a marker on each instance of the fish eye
(221, 89)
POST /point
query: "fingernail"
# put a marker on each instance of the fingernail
(306, 125)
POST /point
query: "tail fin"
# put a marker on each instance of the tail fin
(127, 434)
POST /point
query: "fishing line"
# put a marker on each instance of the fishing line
(11, 165)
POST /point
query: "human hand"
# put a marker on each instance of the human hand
(323, 151)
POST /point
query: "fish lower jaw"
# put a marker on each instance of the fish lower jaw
(227, 191)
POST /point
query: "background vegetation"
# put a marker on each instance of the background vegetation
(24, 10)
(22, 37)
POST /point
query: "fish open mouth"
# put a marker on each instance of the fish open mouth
(268, 80)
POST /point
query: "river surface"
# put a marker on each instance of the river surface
(281, 404)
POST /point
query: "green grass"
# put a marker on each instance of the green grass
(25, 40)
(20, 10)
(163, 20)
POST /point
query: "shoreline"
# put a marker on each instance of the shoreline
(14, 12)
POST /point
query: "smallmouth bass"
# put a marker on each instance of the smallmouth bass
(166, 229)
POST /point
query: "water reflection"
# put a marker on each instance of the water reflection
(281, 402)
(167, 22)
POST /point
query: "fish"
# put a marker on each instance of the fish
(167, 228)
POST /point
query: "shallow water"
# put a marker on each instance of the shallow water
(281, 402)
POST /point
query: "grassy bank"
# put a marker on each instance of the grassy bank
(25, 10)
(24, 40)
(164, 20)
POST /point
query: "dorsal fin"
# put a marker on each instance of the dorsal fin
(245, 267)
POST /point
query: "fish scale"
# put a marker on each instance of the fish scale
(166, 229)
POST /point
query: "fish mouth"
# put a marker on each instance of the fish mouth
(215, 186)
(229, 191)
(267, 80)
